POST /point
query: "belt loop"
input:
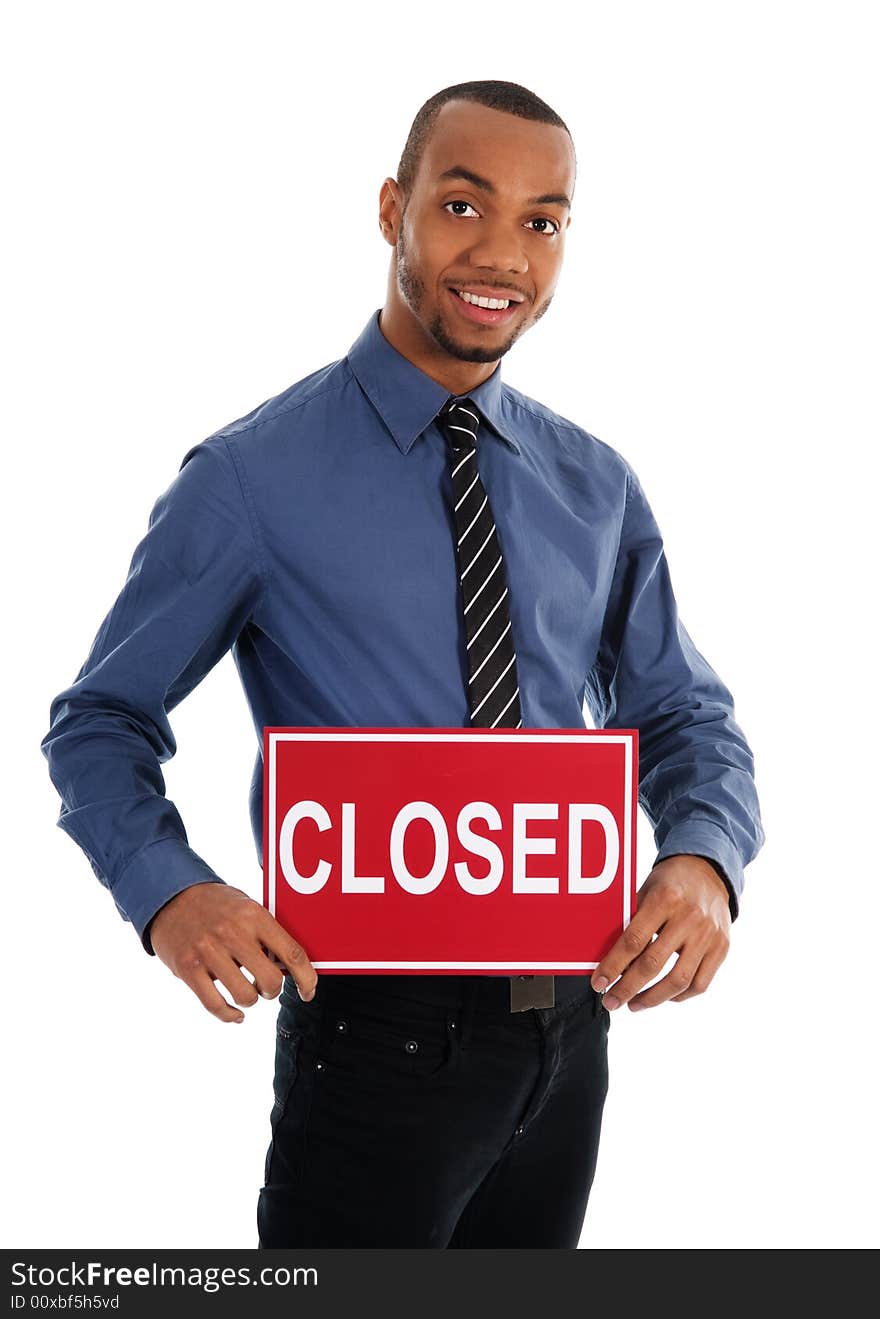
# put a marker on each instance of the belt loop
(467, 999)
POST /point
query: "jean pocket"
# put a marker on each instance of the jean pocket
(287, 1046)
(383, 1036)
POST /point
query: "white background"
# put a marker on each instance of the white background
(192, 226)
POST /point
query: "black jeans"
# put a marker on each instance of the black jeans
(418, 1111)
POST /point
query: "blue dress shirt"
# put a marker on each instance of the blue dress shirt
(314, 536)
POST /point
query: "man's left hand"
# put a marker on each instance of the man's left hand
(685, 903)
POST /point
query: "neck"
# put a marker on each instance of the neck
(406, 334)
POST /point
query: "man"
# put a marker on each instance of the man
(402, 539)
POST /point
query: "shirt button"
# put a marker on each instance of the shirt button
(342, 1027)
(411, 1046)
(520, 1130)
(452, 1025)
(319, 1066)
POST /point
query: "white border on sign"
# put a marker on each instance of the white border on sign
(521, 737)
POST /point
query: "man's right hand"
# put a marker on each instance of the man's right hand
(211, 932)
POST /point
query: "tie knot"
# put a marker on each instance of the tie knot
(460, 421)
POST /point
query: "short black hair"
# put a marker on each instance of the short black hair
(507, 96)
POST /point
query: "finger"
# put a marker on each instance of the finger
(634, 940)
(646, 967)
(266, 970)
(207, 993)
(292, 956)
(705, 973)
(676, 981)
(224, 968)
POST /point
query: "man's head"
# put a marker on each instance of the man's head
(481, 201)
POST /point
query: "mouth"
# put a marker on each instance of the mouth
(484, 315)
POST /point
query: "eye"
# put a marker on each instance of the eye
(458, 202)
(543, 219)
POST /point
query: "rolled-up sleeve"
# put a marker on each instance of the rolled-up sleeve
(696, 769)
(194, 581)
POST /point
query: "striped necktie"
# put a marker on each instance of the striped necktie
(493, 685)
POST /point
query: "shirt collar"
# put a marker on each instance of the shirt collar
(406, 398)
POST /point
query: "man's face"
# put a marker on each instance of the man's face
(494, 232)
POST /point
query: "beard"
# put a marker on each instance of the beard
(412, 290)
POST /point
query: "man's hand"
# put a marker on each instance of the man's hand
(211, 932)
(685, 903)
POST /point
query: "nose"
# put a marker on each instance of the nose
(499, 248)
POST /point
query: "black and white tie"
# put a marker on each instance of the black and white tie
(493, 684)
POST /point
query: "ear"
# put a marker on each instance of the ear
(390, 210)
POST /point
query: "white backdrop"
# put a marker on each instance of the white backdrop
(192, 226)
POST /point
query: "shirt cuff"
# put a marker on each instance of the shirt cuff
(153, 876)
(708, 840)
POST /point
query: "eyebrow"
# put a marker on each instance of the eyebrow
(462, 172)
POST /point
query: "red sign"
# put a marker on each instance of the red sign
(450, 850)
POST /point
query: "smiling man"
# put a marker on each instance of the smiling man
(401, 538)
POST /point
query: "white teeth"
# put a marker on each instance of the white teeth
(496, 304)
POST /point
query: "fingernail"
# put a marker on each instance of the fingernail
(611, 1002)
(600, 983)
(239, 1018)
(636, 1007)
